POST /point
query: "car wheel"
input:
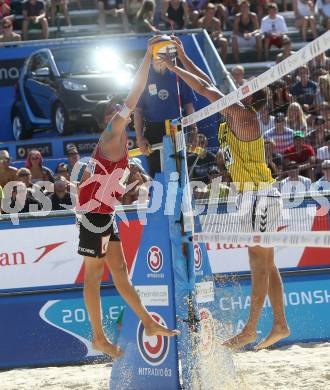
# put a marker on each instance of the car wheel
(61, 122)
(20, 127)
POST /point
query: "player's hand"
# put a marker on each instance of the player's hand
(151, 42)
(143, 145)
(167, 61)
(179, 48)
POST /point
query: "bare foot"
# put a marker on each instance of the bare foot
(277, 333)
(240, 340)
(156, 329)
(106, 347)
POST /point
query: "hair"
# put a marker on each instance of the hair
(102, 108)
(147, 6)
(23, 170)
(238, 67)
(272, 6)
(61, 165)
(326, 79)
(302, 119)
(244, 2)
(28, 163)
(260, 99)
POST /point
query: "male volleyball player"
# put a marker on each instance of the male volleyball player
(259, 202)
(100, 189)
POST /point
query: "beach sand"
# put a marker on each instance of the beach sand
(303, 366)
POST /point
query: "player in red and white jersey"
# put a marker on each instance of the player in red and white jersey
(100, 190)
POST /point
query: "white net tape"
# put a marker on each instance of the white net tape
(301, 57)
(298, 226)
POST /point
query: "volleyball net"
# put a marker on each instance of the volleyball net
(273, 188)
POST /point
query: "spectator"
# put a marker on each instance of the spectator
(274, 28)
(290, 183)
(62, 169)
(24, 175)
(7, 173)
(159, 102)
(21, 199)
(323, 7)
(194, 19)
(62, 6)
(213, 26)
(175, 14)
(4, 9)
(274, 160)
(259, 7)
(131, 9)
(140, 192)
(323, 152)
(286, 50)
(302, 153)
(226, 178)
(323, 94)
(61, 198)
(199, 164)
(75, 171)
(215, 186)
(266, 121)
(304, 90)
(196, 5)
(324, 110)
(296, 118)
(34, 14)
(280, 133)
(320, 61)
(8, 34)
(145, 17)
(113, 8)
(238, 75)
(39, 172)
(304, 11)
(316, 136)
(323, 184)
(280, 96)
(246, 31)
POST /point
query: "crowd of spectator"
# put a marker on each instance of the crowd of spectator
(254, 24)
(35, 187)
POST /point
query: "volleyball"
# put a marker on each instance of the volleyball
(164, 46)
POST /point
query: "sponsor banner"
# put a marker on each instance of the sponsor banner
(307, 302)
(84, 146)
(45, 148)
(205, 292)
(153, 295)
(39, 256)
(9, 71)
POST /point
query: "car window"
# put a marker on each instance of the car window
(38, 61)
(82, 61)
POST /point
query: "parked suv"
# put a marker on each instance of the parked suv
(59, 88)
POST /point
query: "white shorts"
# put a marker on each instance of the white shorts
(252, 42)
(259, 213)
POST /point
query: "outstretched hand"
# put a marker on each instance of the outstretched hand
(179, 47)
(167, 61)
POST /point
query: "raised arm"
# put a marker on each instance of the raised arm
(188, 63)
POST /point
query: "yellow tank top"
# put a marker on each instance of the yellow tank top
(244, 160)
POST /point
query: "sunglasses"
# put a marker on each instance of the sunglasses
(4, 160)
(35, 158)
(24, 175)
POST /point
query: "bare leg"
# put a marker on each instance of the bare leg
(260, 278)
(266, 48)
(259, 47)
(312, 23)
(280, 329)
(304, 26)
(223, 48)
(65, 11)
(53, 12)
(117, 265)
(44, 28)
(93, 276)
(25, 27)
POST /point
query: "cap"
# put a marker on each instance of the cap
(4, 154)
(326, 164)
(298, 134)
(137, 162)
(319, 120)
(71, 149)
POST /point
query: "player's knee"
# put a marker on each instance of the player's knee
(119, 269)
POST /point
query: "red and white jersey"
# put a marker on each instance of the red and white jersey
(103, 184)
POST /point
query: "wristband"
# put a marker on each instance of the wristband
(124, 112)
